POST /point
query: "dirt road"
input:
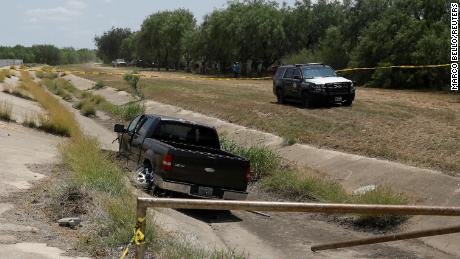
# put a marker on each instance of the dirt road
(21, 151)
(279, 236)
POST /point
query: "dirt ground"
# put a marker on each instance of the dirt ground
(279, 235)
(399, 125)
(27, 156)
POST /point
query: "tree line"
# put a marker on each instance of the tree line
(261, 34)
(48, 54)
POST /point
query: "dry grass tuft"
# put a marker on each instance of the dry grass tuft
(3, 74)
(6, 110)
(31, 120)
(59, 120)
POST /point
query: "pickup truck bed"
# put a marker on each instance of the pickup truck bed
(184, 157)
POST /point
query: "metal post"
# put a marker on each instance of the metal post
(330, 208)
(388, 238)
(141, 223)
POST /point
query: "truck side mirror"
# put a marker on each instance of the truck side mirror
(119, 128)
(297, 77)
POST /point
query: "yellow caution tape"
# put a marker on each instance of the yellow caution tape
(126, 250)
(388, 67)
(228, 78)
(138, 238)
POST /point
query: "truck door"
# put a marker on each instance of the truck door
(137, 139)
(127, 137)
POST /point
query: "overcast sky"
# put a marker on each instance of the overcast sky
(73, 23)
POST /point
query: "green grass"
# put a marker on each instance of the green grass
(308, 188)
(45, 74)
(59, 87)
(287, 182)
(88, 110)
(264, 162)
(18, 91)
(3, 74)
(58, 120)
(99, 85)
(400, 125)
(6, 111)
(125, 112)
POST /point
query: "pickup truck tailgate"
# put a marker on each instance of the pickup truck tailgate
(205, 169)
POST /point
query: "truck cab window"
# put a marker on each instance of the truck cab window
(133, 124)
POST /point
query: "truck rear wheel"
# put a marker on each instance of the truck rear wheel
(144, 177)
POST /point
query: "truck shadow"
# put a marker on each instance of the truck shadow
(211, 216)
(321, 105)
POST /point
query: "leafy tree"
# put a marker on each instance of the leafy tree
(109, 44)
(404, 36)
(46, 54)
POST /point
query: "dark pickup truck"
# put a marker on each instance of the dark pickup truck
(183, 156)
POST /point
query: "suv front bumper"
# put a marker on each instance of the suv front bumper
(331, 97)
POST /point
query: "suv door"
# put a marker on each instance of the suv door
(288, 82)
(296, 87)
(278, 80)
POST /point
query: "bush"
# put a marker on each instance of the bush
(99, 85)
(264, 162)
(131, 110)
(88, 109)
(44, 74)
(310, 188)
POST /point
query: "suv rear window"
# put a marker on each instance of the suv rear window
(289, 73)
(187, 134)
(279, 73)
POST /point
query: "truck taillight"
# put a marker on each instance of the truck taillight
(247, 176)
(167, 162)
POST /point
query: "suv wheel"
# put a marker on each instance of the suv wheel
(307, 102)
(279, 97)
(347, 103)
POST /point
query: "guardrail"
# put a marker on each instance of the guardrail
(330, 208)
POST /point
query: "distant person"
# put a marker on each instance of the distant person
(236, 69)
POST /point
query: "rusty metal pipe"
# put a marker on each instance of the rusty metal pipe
(388, 238)
(329, 208)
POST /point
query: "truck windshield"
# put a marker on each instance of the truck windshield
(312, 72)
(187, 134)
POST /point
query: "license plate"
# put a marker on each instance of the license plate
(205, 191)
(338, 98)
